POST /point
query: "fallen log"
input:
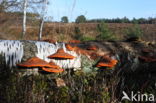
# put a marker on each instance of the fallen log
(132, 72)
(13, 52)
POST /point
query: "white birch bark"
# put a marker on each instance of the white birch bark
(24, 18)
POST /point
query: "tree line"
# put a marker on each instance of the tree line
(82, 19)
(149, 20)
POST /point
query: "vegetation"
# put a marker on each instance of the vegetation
(134, 31)
(78, 35)
(6, 4)
(91, 84)
(149, 20)
(13, 22)
(80, 19)
(104, 32)
(64, 19)
(43, 89)
(87, 38)
(88, 31)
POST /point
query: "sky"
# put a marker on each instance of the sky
(93, 9)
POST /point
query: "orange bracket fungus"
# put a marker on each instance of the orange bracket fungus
(60, 54)
(92, 47)
(75, 41)
(69, 47)
(34, 62)
(107, 62)
(55, 68)
(37, 62)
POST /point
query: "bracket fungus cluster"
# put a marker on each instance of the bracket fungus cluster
(91, 51)
(36, 62)
(50, 57)
(55, 68)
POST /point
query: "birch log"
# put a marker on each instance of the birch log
(13, 52)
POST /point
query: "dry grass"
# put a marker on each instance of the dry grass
(10, 28)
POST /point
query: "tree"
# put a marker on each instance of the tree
(141, 20)
(3, 5)
(25, 7)
(134, 21)
(21, 6)
(80, 19)
(24, 18)
(44, 11)
(6, 4)
(125, 20)
(78, 35)
(134, 31)
(104, 32)
(64, 19)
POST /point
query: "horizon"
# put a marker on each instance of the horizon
(101, 9)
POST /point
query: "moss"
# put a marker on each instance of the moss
(88, 64)
(105, 96)
(39, 84)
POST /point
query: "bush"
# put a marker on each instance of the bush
(78, 35)
(87, 38)
(104, 32)
(134, 31)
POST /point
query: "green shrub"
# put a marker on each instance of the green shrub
(87, 38)
(78, 35)
(104, 32)
(134, 31)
